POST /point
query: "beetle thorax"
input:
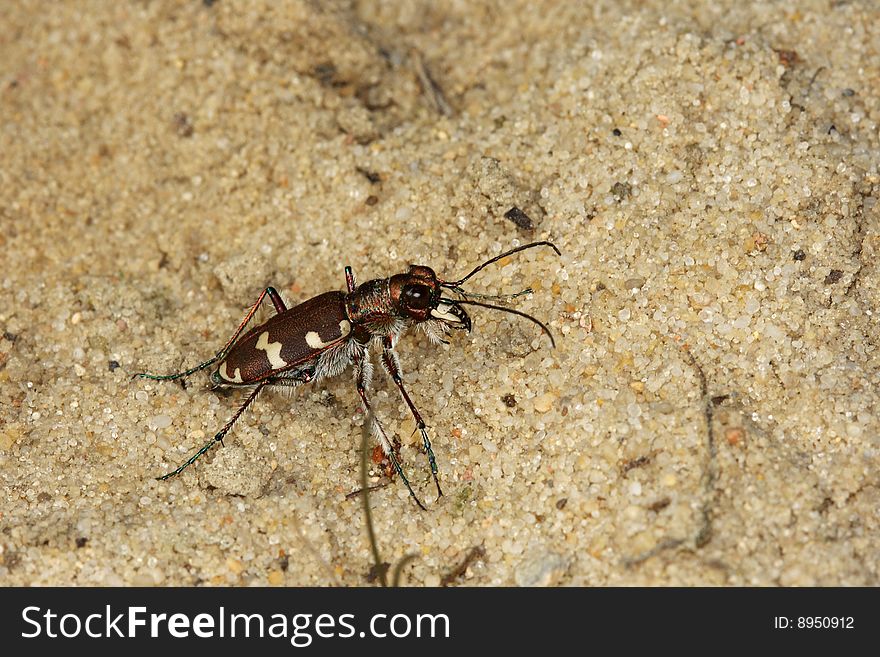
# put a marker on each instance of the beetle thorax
(370, 301)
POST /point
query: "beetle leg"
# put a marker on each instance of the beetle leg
(363, 374)
(277, 301)
(392, 365)
(350, 280)
(293, 380)
(218, 437)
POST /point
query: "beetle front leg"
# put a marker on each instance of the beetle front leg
(280, 307)
(363, 375)
(392, 365)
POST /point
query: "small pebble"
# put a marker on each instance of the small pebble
(159, 422)
(543, 403)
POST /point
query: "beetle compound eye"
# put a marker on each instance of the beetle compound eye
(417, 297)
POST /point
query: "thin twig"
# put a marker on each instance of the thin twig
(365, 498)
(353, 494)
(476, 552)
(432, 90)
(314, 551)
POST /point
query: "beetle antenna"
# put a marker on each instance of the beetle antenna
(512, 312)
(491, 297)
(455, 284)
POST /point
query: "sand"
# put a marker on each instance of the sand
(709, 171)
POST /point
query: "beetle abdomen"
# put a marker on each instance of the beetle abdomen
(287, 340)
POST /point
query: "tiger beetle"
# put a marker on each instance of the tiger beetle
(325, 335)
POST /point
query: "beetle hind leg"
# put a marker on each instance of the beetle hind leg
(178, 375)
(291, 380)
(218, 437)
(280, 307)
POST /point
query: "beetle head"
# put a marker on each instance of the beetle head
(417, 295)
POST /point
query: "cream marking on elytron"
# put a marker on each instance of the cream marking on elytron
(273, 351)
(232, 379)
(315, 342)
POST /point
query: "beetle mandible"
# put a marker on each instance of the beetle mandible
(326, 334)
